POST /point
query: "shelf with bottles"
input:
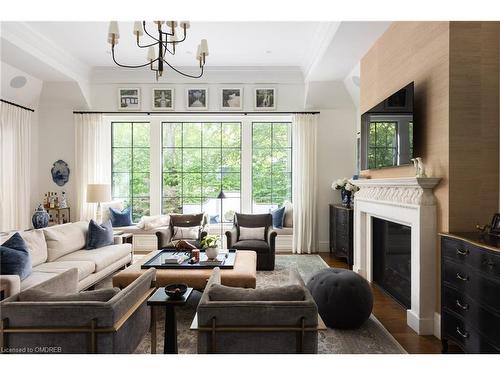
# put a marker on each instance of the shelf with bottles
(59, 215)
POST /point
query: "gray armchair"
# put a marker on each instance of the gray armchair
(236, 320)
(165, 237)
(265, 248)
(55, 326)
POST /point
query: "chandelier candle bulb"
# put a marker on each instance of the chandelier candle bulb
(204, 47)
(113, 29)
(151, 54)
(138, 28)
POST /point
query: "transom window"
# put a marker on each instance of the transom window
(271, 165)
(201, 159)
(130, 154)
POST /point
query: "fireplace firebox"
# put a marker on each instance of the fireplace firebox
(392, 259)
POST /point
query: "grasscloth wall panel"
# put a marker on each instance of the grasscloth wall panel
(473, 126)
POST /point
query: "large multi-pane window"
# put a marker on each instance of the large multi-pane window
(271, 165)
(131, 166)
(382, 144)
(201, 159)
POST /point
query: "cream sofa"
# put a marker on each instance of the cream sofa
(57, 249)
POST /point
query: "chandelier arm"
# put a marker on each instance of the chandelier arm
(147, 45)
(147, 33)
(130, 66)
(184, 74)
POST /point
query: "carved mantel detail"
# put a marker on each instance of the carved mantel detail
(406, 190)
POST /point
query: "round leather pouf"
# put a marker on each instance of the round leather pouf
(344, 298)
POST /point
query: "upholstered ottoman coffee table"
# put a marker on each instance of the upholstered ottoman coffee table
(243, 274)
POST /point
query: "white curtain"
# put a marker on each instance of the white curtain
(304, 185)
(92, 159)
(15, 156)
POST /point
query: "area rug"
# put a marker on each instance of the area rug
(370, 338)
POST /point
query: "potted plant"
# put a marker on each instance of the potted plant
(210, 244)
(346, 190)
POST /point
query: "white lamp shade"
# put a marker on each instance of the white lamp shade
(158, 22)
(204, 47)
(185, 23)
(151, 54)
(172, 24)
(97, 193)
(113, 29)
(138, 28)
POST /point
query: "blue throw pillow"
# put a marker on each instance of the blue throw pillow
(15, 258)
(99, 235)
(121, 218)
(278, 217)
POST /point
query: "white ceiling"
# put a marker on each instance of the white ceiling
(230, 43)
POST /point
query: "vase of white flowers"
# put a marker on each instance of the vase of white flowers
(346, 190)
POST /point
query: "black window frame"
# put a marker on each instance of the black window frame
(131, 196)
(289, 123)
(202, 197)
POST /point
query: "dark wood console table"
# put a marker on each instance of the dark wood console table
(341, 232)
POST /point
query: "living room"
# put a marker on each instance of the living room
(294, 183)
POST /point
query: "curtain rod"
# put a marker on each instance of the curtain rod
(17, 105)
(196, 113)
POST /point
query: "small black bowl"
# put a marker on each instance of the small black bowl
(175, 291)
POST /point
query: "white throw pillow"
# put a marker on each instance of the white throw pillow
(152, 222)
(252, 233)
(186, 233)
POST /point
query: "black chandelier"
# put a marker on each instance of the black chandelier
(160, 45)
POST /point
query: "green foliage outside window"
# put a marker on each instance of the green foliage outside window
(272, 163)
(130, 166)
(198, 160)
(382, 144)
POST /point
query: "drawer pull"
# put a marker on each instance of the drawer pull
(465, 334)
(463, 278)
(462, 252)
(463, 307)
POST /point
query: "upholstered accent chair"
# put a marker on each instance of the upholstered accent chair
(257, 321)
(264, 247)
(64, 322)
(177, 224)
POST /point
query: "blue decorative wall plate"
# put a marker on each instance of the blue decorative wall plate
(60, 172)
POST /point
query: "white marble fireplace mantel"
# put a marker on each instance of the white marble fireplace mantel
(408, 201)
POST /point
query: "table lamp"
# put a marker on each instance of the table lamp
(98, 193)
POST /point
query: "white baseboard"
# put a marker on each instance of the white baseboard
(324, 246)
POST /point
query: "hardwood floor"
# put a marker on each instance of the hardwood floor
(393, 317)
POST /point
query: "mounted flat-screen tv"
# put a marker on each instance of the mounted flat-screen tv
(387, 131)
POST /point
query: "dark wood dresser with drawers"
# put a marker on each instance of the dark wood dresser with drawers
(341, 232)
(470, 292)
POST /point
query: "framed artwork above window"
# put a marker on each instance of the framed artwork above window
(197, 99)
(231, 99)
(265, 99)
(129, 99)
(163, 99)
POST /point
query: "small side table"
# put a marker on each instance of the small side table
(123, 238)
(160, 298)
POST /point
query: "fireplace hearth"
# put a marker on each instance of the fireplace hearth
(392, 259)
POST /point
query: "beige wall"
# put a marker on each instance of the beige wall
(473, 126)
